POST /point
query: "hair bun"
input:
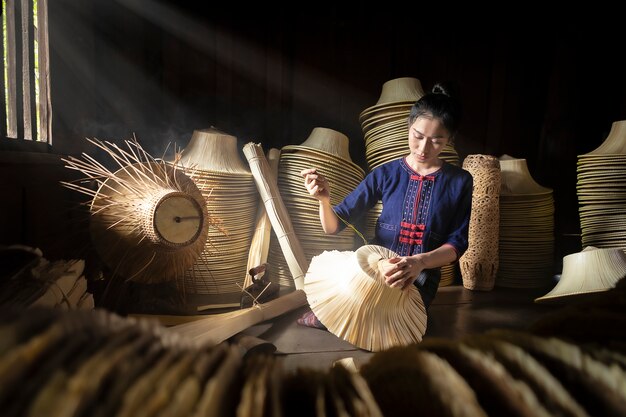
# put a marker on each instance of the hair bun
(450, 89)
(440, 89)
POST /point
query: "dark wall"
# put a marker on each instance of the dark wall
(544, 90)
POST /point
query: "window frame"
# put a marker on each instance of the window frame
(25, 122)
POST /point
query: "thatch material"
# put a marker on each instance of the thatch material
(406, 381)
(599, 388)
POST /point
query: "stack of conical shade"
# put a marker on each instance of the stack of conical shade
(328, 151)
(526, 247)
(386, 132)
(384, 124)
(601, 191)
(212, 160)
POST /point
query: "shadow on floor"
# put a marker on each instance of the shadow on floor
(455, 312)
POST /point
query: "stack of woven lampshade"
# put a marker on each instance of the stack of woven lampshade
(526, 247)
(384, 124)
(386, 131)
(212, 160)
(601, 191)
(328, 151)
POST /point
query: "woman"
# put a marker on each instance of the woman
(426, 201)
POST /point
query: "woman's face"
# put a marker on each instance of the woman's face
(427, 138)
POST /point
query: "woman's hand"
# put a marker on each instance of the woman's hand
(402, 271)
(316, 184)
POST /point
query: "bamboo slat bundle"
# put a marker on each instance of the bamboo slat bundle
(260, 246)
(277, 213)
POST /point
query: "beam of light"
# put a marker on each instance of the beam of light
(201, 35)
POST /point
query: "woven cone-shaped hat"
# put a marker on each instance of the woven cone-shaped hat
(400, 89)
(590, 271)
(516, 179)
(615, 142)
(348, 294)
(396, 98)
(329, 140)
(213, 150)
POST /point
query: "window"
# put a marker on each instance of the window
(25, 111)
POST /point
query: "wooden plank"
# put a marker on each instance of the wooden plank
(28, 74)
(11, 54)
(3, 97)
(45, 106)
(18, 71)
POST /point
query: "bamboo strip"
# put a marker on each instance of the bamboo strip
(278, 214)
(260, 246)
(216, 328)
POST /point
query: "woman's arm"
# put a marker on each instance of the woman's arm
(317, 186)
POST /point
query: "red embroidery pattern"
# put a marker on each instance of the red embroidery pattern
(412, 232)
(409, 233)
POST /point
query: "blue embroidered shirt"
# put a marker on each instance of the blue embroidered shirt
(420, 213)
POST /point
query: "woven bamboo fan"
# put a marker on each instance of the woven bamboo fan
(149, 221)
(347, 292)
(590, 271)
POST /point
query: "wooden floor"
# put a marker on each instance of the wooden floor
(455, 312)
